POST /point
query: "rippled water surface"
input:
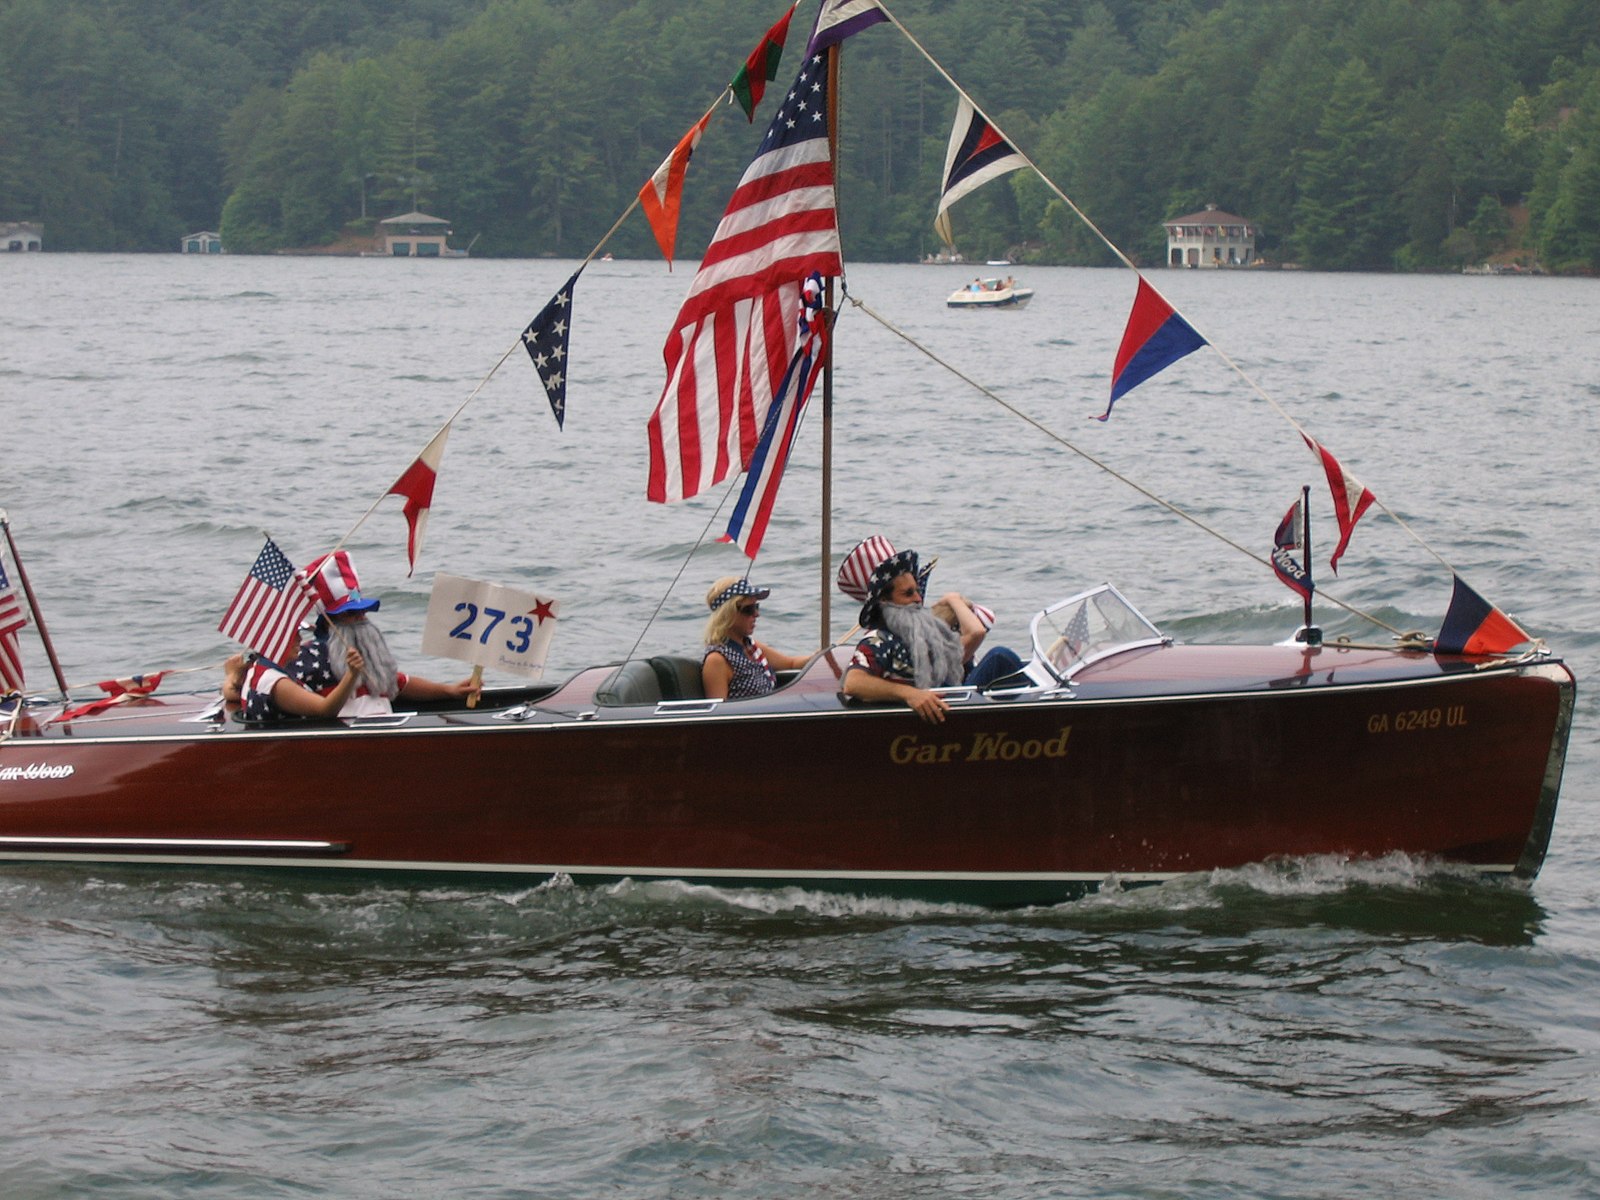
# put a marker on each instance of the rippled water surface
(1304, 1029)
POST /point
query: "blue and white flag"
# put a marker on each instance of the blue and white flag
(545, 340)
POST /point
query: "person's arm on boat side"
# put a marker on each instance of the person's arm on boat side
(779, 661)
(861, 684)
(971, 630)
(415, 687)
(300, 701)
(233, 679)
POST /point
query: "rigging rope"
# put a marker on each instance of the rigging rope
(1127, 262)
(1092, 460)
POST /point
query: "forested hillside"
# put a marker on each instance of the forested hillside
(1374, 134)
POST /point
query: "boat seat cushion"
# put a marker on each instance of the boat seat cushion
(679, 677)
(634, 682)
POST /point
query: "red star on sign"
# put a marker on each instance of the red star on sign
(541, 611)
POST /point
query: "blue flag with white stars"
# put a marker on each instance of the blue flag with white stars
(545, 340)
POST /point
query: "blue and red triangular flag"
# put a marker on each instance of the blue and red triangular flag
(1156, 337)
(1474, 626)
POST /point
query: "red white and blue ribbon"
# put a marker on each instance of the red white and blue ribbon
(748, 526)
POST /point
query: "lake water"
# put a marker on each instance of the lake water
(1308, 1029)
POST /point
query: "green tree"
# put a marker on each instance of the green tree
(1345, 213)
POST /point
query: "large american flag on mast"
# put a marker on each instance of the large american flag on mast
(738, 329)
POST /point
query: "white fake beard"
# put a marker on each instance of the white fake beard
(935, 647)
(381, 673)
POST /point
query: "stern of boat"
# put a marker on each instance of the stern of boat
(1544, 817)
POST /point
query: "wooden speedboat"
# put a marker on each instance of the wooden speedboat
(1116, 755)
(1132, 759)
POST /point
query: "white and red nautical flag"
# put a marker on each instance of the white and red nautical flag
(748, 525)
(415, 487)
(1350, 498)
(271, 602)
(12, 621)
(738, 329)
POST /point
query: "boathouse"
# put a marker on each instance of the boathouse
(204, 242)
(1210, 238)
(417, 235)
(18, 237)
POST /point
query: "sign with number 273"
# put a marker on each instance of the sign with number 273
(489, 625)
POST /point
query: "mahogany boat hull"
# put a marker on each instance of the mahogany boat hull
(1167, 763)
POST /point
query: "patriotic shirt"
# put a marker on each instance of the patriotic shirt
(883, 654)
(260, 677)
(312, 669)
(751, 674)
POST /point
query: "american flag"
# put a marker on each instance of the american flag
(272, 601)
(1077, 631)
(11, 621)
(748, 526)
(737, 332)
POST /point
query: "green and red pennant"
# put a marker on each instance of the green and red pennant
(750, 84)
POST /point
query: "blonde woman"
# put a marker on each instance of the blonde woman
(735, 665)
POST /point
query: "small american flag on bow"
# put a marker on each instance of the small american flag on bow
(737, 332)
(1077, 631)
(271, 602)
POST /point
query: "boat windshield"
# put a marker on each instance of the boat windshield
(1091, 625)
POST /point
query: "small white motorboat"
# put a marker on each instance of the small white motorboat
(990, 293)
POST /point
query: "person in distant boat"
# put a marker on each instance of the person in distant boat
(908, 651)
(736, 666)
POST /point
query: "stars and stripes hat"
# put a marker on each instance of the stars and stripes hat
(869, 569)
(855, 572)
(742, 587)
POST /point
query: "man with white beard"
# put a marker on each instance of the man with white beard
(324, 660)
(908, 650)
(346, 669)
